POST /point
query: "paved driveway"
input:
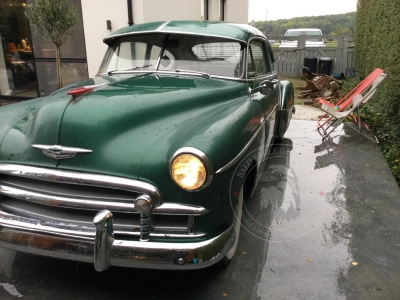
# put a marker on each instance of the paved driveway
(323, 223)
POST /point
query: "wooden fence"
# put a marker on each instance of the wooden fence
(290, 61)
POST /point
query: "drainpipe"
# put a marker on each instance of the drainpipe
(130, 13)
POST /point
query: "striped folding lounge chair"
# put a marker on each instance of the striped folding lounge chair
(350, 104)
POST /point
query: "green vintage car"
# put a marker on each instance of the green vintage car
(147, 164)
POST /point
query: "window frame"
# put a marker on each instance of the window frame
(268, 58)
(114, 49)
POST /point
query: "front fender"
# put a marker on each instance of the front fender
(285, 107)
(221, 134)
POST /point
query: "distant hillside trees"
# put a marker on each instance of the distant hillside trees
(329, 24)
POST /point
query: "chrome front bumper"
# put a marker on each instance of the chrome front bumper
(97, 245)
(52, 212)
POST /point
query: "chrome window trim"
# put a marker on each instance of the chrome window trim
(203, 157)
(162, 25)
(253, 38)
(274, 72)
(178, 73)
(155, 70)
(183, 33)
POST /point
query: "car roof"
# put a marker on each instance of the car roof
(240, 32)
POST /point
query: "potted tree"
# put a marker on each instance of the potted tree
(53, 19)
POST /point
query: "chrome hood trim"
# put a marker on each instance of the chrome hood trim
(60, 152)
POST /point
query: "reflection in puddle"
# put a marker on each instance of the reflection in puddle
(279, 186)
(309, 242)
(6, 262)
(11, 289)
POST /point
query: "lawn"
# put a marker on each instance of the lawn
(298, 82)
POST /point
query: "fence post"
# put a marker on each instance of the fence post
(339, 55)
(300, 53)
(301, 41)
(345, 52)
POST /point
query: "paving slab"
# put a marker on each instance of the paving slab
(323, 223)
(345, 242)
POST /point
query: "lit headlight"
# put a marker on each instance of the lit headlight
(190, 169)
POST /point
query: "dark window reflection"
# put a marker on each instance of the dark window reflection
(17, 65)
(71, 72)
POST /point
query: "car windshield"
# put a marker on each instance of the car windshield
(306, 32)
(296, 33)
(194, 54)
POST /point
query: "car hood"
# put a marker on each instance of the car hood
(119, 122)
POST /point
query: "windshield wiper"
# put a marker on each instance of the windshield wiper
(109, 73)
(191, 71)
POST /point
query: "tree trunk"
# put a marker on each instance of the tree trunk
(58, 63)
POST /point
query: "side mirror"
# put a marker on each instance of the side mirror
(267, 87)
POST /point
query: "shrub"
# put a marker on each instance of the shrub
(378, 45)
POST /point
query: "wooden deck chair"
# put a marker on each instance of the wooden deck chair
(338, 115)
(347, 100)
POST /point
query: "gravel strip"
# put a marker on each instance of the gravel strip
(306, 112)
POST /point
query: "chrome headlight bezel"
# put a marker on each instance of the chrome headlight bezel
(202, 157)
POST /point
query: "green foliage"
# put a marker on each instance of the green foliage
(378, 46)
(389, 137)
(330, 24)
(52, 19)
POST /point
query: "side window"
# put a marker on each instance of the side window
(271, 60)
(256, 60)
(260, 59)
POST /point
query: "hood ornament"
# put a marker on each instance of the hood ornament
(60, 152)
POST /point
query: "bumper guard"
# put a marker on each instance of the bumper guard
(97, 244)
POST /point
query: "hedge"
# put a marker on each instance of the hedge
(378, 46)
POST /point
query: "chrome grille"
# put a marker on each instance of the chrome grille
(59, 197)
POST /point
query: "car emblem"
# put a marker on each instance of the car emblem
(60, 152)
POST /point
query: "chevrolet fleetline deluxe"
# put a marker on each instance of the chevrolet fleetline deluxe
(147, 164)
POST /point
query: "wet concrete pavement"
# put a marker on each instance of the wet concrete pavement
(323, 223)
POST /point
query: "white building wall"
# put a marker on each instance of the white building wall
(138, 8)
(236, 11)
(166, 10)
(95, 13)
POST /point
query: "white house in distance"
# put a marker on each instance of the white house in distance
(116, 12)
(28, 64)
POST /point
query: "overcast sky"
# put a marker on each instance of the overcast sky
(286, 9)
